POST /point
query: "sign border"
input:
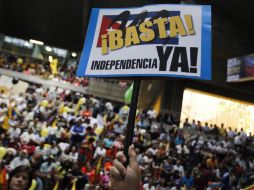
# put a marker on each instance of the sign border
(205, 49)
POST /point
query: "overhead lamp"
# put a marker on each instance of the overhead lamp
(27, 44)
(36, 42)
(47, 48)
(73, 54)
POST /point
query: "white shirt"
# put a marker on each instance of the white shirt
(238, 140)
(21, 106)
(63, 146)
(153, 151)
(12, 122)
(148, 160)
(29, 116)
(119, 128)
(69, 117)
(154, 128)
(52, 130)
(39, 90)
(19, 162)
(2, 119)
(109, 106)
(243, 135)
(38, 139)
(219, 149)
(18, 99)
(45, 167)
(44, 151)
(14, 132)
(59, 132)
(179, 168)
(64, 156)
(231, 134)
(54, 151)
(73, 156)
(26, 137)
(179, 149)
(186, 150)
(3, 110)
(151, 114)
(99, 152)
(146, 187)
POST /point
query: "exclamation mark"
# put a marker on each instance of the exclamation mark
(104, 44)
(194, 59)
(189, 23)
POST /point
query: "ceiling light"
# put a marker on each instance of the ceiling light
(36, 42)
(73, 54)
(47, 48)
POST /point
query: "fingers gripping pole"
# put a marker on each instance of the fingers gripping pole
(131, 118)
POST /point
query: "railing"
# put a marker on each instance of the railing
(106, 90)
(96, 87)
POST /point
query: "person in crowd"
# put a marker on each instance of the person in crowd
(77, 177)
(20, 178)
(212, 162)
(178, 167)
(119, 127)
(151, 113)
(193, 125)
(20, 160)
(186, 124)
(149, 185)
(46, 172)
(100, 151)
(231, 134)
(14, 132)
(187, 181)
(77, 133)
(222, 130)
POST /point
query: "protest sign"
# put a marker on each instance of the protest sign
(155, 40)
(240, 69)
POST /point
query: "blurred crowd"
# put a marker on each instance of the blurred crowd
(69, 140)
(45, 69)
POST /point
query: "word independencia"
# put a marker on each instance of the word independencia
(124, 64)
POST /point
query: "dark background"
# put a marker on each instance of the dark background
(63, 22)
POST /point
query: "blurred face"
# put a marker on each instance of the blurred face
(30, 131)
(23, 155)
(19, 181)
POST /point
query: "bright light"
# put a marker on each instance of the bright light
(49, 49)
(73, 54)
(217, 110)
(36, 42)
(27, 44)
(50, 58)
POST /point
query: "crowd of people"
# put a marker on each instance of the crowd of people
(69, 140)
(42, 68)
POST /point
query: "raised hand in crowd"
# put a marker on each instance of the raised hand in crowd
(125, 178)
